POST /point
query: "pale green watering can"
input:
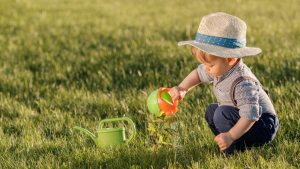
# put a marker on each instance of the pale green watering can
(105, 137)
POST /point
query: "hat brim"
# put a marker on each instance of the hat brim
(222, 51)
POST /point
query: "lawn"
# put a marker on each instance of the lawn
(74, 62)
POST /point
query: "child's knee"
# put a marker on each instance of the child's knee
(219, 116)
(225, 113)
(209, 113)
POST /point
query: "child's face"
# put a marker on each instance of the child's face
(214, 65)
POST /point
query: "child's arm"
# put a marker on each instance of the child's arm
(198, 75)
(191, 80)
(240, 128)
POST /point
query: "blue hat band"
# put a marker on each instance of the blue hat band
(223, 42)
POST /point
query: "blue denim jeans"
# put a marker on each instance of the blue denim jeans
(222, 118)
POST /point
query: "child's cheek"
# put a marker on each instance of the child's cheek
(207, 69)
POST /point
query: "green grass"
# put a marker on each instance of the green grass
(75, 62)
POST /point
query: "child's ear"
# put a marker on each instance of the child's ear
(231, 61)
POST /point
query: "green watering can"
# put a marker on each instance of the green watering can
(110, 136)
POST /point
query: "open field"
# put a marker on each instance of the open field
(75, 62)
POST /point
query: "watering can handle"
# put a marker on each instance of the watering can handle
(130, 122)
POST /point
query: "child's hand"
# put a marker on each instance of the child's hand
(177, 93)
(224, 140)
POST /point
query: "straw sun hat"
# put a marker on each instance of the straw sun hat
(222, 35)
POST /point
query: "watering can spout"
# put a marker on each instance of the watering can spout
(87, 132)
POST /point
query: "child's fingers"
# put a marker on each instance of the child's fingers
(218, 137)
(223, 147)
(217, 140)
(221, 143)
(175, 94)
(175, 98)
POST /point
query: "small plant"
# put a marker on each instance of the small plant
(163, 131)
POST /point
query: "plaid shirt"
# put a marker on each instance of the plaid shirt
(251, 99)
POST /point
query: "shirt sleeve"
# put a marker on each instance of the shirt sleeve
(203, 75)
(247, 95)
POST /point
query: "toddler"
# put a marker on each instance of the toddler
(244, 115)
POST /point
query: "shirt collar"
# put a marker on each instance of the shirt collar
(233, 69)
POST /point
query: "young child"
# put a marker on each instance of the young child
(244, 115)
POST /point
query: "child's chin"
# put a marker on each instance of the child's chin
(217, 74)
